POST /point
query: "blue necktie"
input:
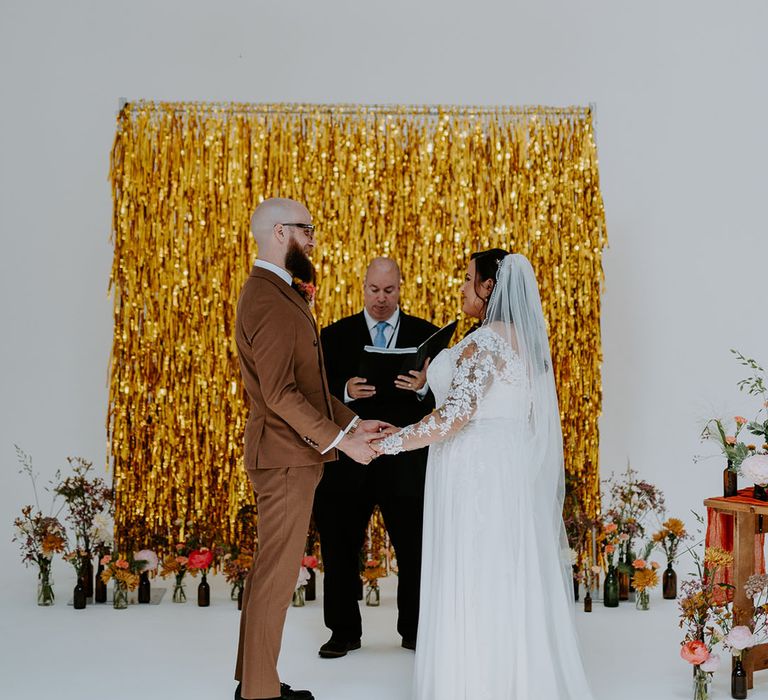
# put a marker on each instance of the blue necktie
(380, 341)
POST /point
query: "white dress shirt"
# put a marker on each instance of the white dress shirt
(288, 278)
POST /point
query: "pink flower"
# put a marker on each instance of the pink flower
(182, 561)
(639, 563)
(740, 637)
(623, 537)
(711, 664)
(694, 652)
(106, 559)
(309, 561)
(730, 439)
(655, 565)
(121, 564)
(611, 527)
(201, 559)
(740, 420)
(609, 549)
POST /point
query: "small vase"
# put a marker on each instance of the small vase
(234, 592)
(100, 588)
(700, 684)
(120, 596)
(78, 596)
(669, 583)
(45, 595)
(86, 574)
(203, 593)
(575, 583)
(298, 597)
(240, 599)
(310, 592)
(611, 588)
(730, 482)
(179, 594)
(759, 493)
(623, 577)
(643, 600)
(373, 596)
(738, 679)
(145, 591)
(588, 601)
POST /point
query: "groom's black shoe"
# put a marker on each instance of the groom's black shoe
(336, 648)
(409, 644)
(286, 693)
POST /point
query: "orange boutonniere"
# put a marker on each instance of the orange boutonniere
(306, 289)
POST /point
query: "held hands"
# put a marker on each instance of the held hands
(414, 380)
(357, 442)
(358, 389)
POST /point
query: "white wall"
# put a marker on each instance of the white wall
(681, 107)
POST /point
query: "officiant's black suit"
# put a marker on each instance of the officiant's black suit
(348, 492)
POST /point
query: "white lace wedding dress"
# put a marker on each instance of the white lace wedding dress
(496, 620)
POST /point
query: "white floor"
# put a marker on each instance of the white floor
(182, 651)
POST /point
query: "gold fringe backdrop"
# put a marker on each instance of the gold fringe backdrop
(425, 185)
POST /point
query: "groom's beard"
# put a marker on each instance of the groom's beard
(298, 264)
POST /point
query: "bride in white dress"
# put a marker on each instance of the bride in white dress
(496, 614)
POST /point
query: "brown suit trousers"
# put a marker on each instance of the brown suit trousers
(292, 418)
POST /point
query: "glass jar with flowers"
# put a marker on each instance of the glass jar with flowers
(124, 573)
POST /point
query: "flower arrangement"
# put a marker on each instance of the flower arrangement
(670, 536)
(236, 564)
(85, 498)
(755, 468)
(632, 501)
(737, 450)
(124, 571)
(39, 536)
(301, 581)
(611, 539)
(177, 565)
(200, 560)
(644, 578)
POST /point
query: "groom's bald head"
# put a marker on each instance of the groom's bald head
(272, 212)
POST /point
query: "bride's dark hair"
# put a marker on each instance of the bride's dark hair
(486, 268)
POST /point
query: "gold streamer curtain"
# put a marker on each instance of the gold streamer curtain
(424, 185)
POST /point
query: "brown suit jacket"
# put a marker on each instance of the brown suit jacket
(292, 414)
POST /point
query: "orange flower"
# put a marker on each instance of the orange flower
(609, 549)
(611, 527)
(740, 420)
(106, 559)
(645, 578)
(655, 565)
(676, 527)
(694, 652)
(730, 439)
(52, 543)
(639, 563)
(121, 564)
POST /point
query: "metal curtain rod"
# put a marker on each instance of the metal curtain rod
(427, 110)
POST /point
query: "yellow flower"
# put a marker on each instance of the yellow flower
(717, 558)
(659, 536)
(645, 578)
(52, 543)
(676, 527)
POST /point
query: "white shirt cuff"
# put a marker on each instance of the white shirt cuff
(421, 393)
(341, 434)
(347, 397)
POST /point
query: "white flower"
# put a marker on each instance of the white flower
(102, 529)
(303, 577)
(755, 468)
(739, 638)
(711, 664)
(147, 556)
(574, 555)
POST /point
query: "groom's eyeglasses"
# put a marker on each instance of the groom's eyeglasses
(309, 229)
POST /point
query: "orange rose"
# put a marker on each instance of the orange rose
(639, 563)
(611, 527)
(694, 652)
(609, 549)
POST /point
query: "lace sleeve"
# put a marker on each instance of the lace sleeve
(479, 363)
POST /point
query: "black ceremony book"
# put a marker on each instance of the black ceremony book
(380, 366)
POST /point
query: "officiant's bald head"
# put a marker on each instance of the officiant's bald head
(381, 288)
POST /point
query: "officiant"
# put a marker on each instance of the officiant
(348, 492)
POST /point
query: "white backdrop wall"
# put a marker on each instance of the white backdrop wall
(681, 108)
